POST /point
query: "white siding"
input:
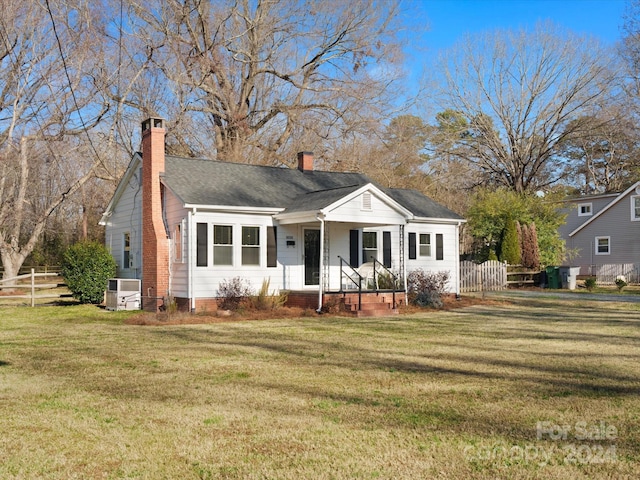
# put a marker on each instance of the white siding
(450, 261)
(206, 280)
(176, 214)
(353, 211)
(574, 219)
(126, 217)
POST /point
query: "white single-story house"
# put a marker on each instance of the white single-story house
(185, 225)
(603, 230)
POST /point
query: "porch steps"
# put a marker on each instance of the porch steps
(372, 305)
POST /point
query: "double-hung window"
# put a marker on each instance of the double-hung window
(425, 244)
(177, 243)
(603, 245)
(126, 250)
(635, 208)
(222, 245)
(369, 246)
(250, 245)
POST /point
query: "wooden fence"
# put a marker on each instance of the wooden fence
(487, 276)
(607, 274)
(31, 284)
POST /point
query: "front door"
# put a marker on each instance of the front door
(312, 257)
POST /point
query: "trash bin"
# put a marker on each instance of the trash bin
(543, 279)
(553, 277)
(569, 276)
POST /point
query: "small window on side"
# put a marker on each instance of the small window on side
(585, 209)
(603, 245)
(635, 208)
(126, 250)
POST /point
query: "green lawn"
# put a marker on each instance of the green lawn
(517, 389)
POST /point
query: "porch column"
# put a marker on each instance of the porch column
(321, 266)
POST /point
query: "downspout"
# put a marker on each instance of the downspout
(321, 266)
(191, 256)
(458, 259)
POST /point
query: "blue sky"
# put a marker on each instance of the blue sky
(436, 25)
(449, 20)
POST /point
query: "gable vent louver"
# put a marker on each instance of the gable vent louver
(366, 201)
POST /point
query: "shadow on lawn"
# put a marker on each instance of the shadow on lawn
(496, 363)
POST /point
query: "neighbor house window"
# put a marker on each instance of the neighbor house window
(425, 244)
(635, 208)
(250, 245)
(584, 209)
(126, 250)
(369, 246)
(222, 245)
(603, 245)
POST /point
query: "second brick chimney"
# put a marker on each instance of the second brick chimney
(305, 161)
(155, 245)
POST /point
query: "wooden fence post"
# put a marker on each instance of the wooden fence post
(33, 287)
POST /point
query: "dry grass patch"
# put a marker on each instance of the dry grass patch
(439, 394)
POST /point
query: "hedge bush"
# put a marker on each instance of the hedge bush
(86, 268)
(427, 288)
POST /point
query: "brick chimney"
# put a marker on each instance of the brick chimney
(305, 161)
(155, 244)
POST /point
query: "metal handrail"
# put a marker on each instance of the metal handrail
(394, 277)
(357, 284)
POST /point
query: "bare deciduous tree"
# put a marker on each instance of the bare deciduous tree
(254, 74)
(604, 157)
(44, 95)
(517, 93)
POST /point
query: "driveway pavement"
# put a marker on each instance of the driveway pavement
(603, 297)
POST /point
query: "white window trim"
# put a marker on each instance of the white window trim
(214, 245)
(126, 265)
(608, 252)
(258, 246)
(181, 257)
(585, 214)
(634, 198)
(372, 249)
(425, 244)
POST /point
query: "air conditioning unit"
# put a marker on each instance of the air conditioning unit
(123, 294)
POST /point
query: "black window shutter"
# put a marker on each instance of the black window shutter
(412, 246)
(386, 249)
(439, 247)
(272, 246)
(202, 244)
(354, 251)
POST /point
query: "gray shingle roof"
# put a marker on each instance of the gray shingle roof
(208, 182)
(420, 205)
